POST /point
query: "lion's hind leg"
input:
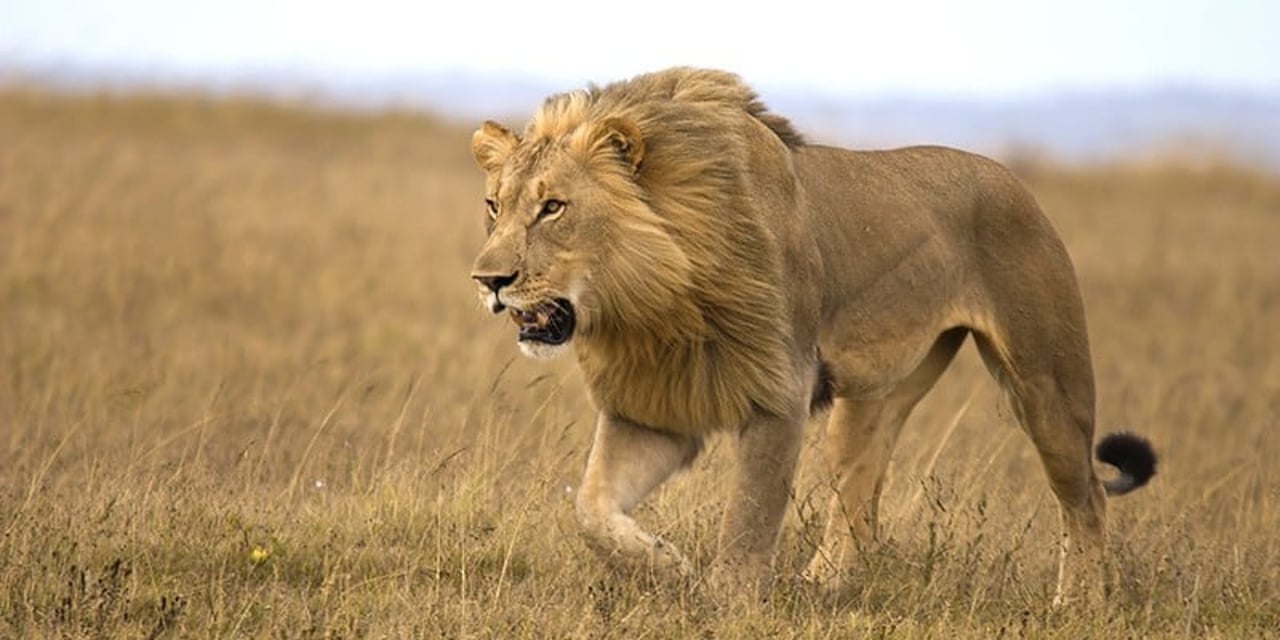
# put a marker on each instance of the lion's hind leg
(860, 437)
(1052, 395)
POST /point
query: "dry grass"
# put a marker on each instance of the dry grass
(246, 391)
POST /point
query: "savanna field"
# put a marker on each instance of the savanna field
(247, 391)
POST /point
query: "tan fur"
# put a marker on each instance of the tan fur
(711, 255)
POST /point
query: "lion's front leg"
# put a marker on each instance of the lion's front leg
(628, 461)
(768, 450)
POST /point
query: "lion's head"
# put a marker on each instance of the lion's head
(628, 220)
(572, 244)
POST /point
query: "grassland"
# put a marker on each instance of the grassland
(246, 391)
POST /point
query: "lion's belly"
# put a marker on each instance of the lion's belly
(865, 369)
(878, 324)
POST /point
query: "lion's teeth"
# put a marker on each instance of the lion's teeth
(539, 318)
(523, 317)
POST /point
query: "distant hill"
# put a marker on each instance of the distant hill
(1071, 126)
(1185, 122)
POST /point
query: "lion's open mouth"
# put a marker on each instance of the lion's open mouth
(549, 323)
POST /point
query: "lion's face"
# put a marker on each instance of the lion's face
(571, 245)
(535, 264)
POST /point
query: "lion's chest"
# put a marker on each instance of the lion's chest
(693, 390)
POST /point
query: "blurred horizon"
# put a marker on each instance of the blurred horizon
(1083, 80)
(1183, 123)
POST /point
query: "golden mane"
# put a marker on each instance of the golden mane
(693, 339)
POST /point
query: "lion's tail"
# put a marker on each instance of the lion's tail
(1133, 455)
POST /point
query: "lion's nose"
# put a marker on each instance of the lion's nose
(494, 283)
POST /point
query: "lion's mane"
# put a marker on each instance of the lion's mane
(692, 336)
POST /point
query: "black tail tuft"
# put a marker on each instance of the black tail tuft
(824, 390)
(1133, 455)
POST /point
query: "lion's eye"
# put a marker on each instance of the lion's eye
(493, 207)
(551, 208)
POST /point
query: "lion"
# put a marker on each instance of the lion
(713, 271)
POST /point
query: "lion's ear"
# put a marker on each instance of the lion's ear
(492, 144)
(623, 136)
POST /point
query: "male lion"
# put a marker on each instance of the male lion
(715, 272)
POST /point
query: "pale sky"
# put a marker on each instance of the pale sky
(964, 47)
